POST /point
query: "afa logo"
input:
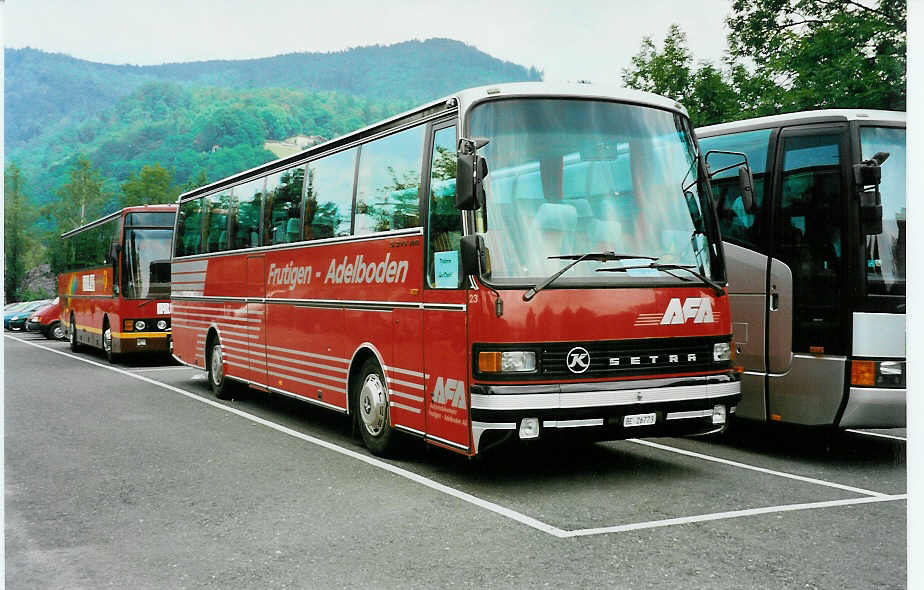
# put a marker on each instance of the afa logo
(698, 309)
(449, 391)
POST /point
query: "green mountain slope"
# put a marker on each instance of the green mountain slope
(44, 91)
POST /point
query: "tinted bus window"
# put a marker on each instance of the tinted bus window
(189, 228)
(329, 197)
(387, 186)
(246, 211)
(215, 228)
(736, 224)
(283, 207)
(445, 223)
(158, 219)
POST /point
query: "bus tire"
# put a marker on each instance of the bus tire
(371, 410)
(107, 342)
(55, 331)
(72, 336)
(218, 381)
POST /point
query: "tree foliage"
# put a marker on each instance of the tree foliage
(825, 53)
(151, 186)
(784, 56)
(18, 242)
(81, 200)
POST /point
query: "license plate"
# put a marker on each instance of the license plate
(640, 419)
(142, 342)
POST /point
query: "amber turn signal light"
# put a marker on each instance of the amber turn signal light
(126, 325)
(862, 373)
(489, 362)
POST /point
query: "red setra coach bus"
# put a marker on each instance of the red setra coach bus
(116, 294)
(514, 261)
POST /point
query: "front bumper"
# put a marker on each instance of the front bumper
(682, 407)
(874, 407)
(141, 342)
(34, 326)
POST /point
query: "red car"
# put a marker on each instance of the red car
(46, 320)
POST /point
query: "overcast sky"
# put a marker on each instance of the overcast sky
(568, 40)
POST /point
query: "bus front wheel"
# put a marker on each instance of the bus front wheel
(107, 343)
(217, 379)
(371, 410)
(72, 336)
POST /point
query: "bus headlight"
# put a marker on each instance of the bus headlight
(140, 325)
(721, 351)
(507, 361)
(161, 325)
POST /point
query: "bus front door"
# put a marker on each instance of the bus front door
(807, 331)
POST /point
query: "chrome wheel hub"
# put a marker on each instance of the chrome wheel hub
(373, 405)
(58, 332)
(217, 366)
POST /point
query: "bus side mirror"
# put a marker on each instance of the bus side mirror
(745, 177)
(471, 169)
(475, 258)
(868, 175)
(746, 180)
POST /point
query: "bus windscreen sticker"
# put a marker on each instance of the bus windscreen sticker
(446, 268)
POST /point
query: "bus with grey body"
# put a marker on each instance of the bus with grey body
(816, 264)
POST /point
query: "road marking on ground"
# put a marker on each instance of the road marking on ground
(879, 434)
(811, 480)
(730, 514)
(481, 503)
(496, 508)
(158, 369)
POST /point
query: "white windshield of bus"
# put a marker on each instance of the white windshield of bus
(577, 176)
(885, 253)
(146, 263)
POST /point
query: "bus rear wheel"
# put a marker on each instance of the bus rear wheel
(219, 383)
(371, 410)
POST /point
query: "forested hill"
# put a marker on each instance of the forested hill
(45, 90)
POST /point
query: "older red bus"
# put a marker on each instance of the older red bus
(523, 261)
(116, 294)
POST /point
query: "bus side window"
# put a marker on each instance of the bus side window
(387, 195)
(245, 214)
(282, 223)
(445, 221)
(737, 225)
(189, 228)
(328, 205)
(215, 228)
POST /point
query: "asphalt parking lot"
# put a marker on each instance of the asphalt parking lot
(133, 475)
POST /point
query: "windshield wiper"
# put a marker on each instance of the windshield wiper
(596, 256)
(719, 290)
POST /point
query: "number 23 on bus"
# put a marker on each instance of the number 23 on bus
(520, 261)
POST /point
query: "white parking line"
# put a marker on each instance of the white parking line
(879, 434)
(731, 514)
(158, 369)
(501, 510)
(481, 503)
(812, 480)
